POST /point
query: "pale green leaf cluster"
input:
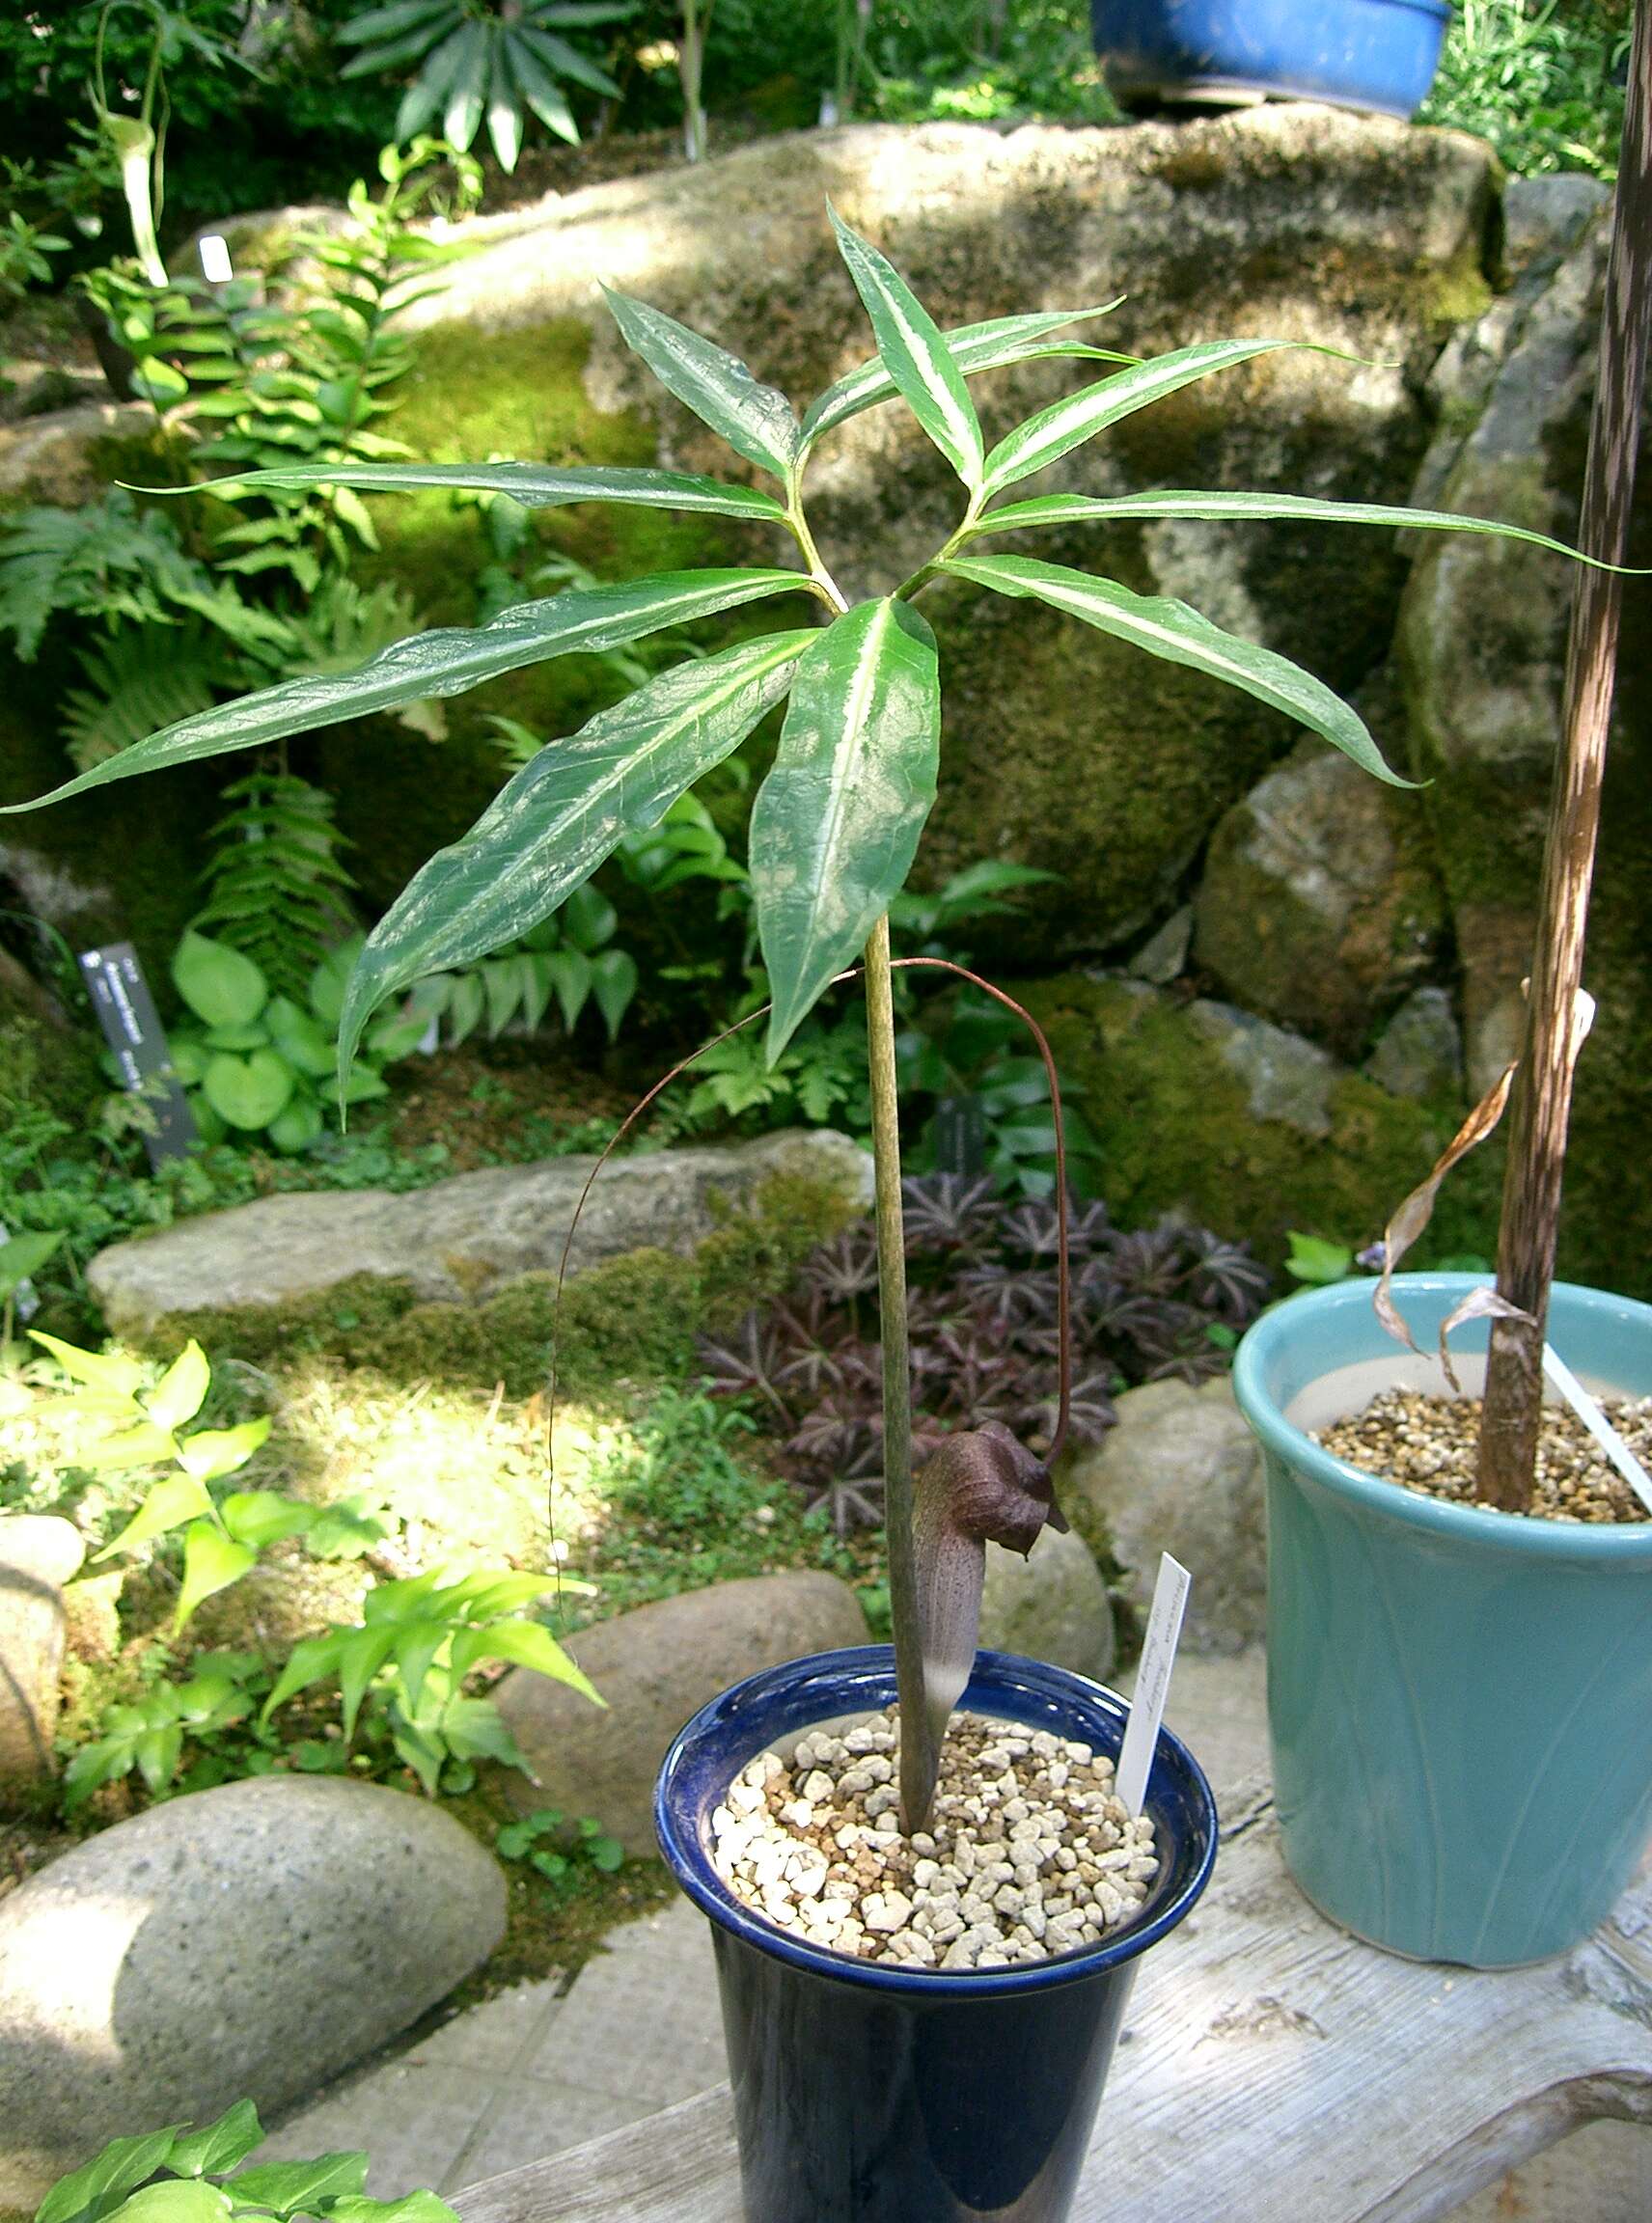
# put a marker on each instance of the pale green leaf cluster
(183, 2175)
(147, 1426)
(837, 822)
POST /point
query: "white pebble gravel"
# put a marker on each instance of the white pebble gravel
(1028, 1852)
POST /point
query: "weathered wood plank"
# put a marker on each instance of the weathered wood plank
(1272, 2067)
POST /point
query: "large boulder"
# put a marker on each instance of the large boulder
(249, 1942)
(39, 1553)
(655, 1666)
(1315, 226)
(1179, 1471)
(457, 1240)
(1319, 906)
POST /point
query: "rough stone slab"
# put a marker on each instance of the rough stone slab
(39, 1553)
(252, 1941)
(1181, 1472)
(455, 1240)
(655, 1666)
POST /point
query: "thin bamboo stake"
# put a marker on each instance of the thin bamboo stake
(906, 1626)
(1543, 1086)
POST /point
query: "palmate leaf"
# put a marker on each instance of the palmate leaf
(974, 348)
(914, 353)
(447, 661)
(569, 807)
(1179, 634)
(757, 421)
(1066, 424)
(535, 485)
(1257, 508)
(836, 824)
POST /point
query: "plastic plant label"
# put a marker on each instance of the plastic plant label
(1598, 1425)
(132, 1029)
(1152, 1681)
(215, 265)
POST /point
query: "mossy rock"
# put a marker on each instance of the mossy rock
(1177, 1132)
(630, 1321)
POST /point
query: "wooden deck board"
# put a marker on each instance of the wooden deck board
(1271, 2068)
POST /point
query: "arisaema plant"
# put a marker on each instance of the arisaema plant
(836, 824)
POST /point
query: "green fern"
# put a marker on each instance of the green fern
(343, 626)
(142, 677)
(106, 560)
(276, 890)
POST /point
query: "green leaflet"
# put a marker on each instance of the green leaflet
(1257, 508)
(1181, 636)
(555, 822)
(836, 824)
(446, 662)
(535, 485)
(756, 419)
(1066, 424)
(972, 348)
(915, 354)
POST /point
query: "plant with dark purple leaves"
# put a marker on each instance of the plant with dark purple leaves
(983, 1312)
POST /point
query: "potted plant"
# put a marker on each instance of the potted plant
(1460, 1693)
(1378, 54)
(869, 2084)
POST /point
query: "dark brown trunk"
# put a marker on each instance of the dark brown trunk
(1543, 1086)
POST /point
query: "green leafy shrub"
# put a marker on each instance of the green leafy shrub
(503, 63)
(568, 959)
(1541, 79)
(416, 1643)
(262, 1064)
(534, 1841)
(275, 888)
(181, 2175)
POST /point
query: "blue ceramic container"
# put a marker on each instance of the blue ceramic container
(1378, 54)
(1460, 1700)
(866, 2094)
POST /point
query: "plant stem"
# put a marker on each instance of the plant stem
(1543, 1084)
(896, 1383)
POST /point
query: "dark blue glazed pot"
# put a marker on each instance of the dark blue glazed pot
(866, 2094)
(1375, 54)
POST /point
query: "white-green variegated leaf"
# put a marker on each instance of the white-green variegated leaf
(551, 826)
(757, 421)
(535, 485)
(1257, 508)
(1066, 424)
(448, 660)
(974, 348)
(1179, 634)
(836, 824)
(914, 353)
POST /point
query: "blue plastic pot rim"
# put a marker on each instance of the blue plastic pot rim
(1520, 1533)
(690, 1864)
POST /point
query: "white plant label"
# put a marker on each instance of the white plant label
(215, 265)
(1598, 1425)
(1152, 1681)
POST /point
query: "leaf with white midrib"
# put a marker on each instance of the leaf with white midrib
(756, 419)
(1066, 424)
(448, 661)
(1181, 635)
(535, 485)
(974, 348)
(551, 826)
(836, 824)
(915, 352)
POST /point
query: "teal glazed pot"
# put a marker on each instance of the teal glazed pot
(1459, 1700)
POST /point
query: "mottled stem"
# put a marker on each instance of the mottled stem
(917, 1772)
(1543, 1086)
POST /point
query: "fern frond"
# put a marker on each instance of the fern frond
(276, 889)
(142, 677)
(106, 561)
